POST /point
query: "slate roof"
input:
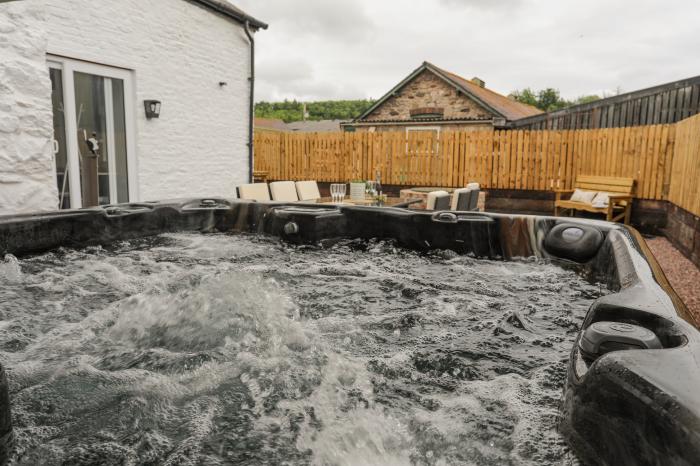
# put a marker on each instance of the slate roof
(509, 108)
(270, 123)
(226, 8)
(320, 126)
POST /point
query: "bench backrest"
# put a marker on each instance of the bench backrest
(608, 184)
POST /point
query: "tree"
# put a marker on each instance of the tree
(548, 99)
(585, 99)
(526, 96)
(322, 110)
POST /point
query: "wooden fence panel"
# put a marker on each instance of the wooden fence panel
(684, 183)
(503, 159)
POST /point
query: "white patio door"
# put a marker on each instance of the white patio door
(93, 133)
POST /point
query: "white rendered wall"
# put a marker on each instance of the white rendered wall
(27, 169)
(179, 52)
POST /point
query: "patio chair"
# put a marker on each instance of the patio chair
(308, 191)
(466, 199)
(438, 200)
(461, 199)
(254, 192)
(284, 191)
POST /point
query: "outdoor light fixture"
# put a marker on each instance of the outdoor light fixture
(152, 108)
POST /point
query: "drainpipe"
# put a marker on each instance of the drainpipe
(251, 114)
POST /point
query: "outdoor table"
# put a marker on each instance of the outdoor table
(389, 202)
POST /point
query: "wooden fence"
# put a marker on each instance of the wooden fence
(685, 174)
(529, 160)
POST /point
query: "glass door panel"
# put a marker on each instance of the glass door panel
(93, 126)
(121, 176)
(102, 146)
(91, 118)
(59, 138)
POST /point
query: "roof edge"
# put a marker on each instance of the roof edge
(229, 10)
(444, 76)
(439, 73)
(393, 90)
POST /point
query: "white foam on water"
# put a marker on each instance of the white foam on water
(218, 349)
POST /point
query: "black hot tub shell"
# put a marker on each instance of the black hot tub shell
(633, 388)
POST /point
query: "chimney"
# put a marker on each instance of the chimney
(479, 82)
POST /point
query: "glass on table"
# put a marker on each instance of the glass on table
(371, 188)
(335, 192)
(342, 191)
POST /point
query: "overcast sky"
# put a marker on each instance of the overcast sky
(332, 49)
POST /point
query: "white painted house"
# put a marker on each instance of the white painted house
(77, 79)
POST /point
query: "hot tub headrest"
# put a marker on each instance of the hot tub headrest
(573, 241)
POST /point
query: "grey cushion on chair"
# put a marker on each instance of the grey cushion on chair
(442, 203)
(474, 200)
(460, 199)
(438, 200)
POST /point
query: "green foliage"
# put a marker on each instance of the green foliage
(548, 99)
(290, 111)
(584, 99)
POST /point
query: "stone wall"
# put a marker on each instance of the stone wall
(488, 126)
(428, 90)
(27, 170)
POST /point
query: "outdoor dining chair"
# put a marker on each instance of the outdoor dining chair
(284, 191)
(308, 190)
(254, 192)
(438, 200)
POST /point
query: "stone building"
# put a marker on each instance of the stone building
(122, 101)
(431, 98)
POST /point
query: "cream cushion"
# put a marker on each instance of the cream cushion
(433, 197)
(585, 197)
(308, 190)
(601, 199)
(284, 191)
(254, 192)
(473, 185)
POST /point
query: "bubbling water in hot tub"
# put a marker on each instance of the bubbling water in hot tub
(219, 349)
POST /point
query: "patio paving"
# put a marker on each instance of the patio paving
(683, 274)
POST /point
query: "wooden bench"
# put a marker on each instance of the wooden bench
(621, 191)
(260, 176)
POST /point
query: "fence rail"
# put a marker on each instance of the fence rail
(528, 160)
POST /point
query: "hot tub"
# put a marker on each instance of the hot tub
(630, 394)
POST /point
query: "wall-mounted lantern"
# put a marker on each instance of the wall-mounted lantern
(152, 108)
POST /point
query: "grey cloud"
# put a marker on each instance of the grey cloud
(330, 49)
(483, 4)
(327, 20)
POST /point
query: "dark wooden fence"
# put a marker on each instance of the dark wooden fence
(664, 104)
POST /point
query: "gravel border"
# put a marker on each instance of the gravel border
(683, 274)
